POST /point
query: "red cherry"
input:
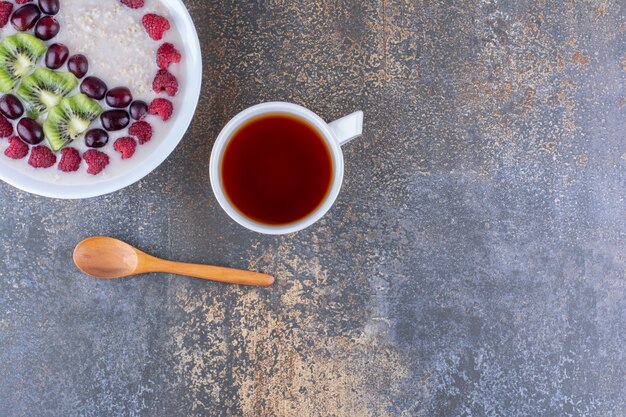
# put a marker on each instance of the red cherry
(25, 17)
(93, 87)
(119, 97)
(30, 131)
(96, 138)
(47, 28)
(56, 56)
(49, 6)
(113, 120)
(11, 106)
(78, 65)
(138, 109)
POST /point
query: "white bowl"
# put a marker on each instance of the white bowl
(179, 123)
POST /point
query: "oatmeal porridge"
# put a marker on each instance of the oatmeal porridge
(89, 87)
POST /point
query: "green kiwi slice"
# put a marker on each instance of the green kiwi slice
(44, 89)
(69, 119)
(18, 55)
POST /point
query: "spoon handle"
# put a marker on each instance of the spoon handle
(212, 273)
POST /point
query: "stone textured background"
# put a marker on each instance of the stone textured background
(474, 265)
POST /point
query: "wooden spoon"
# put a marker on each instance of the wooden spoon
(105, 257)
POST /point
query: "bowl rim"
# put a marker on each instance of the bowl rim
(181, 123)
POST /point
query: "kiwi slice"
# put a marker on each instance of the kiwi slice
(44, 89)
(18, 55)
(69, 119)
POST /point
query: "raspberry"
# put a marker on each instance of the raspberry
(155, 25)
(70, 160)
(96, 161)
(23, 1)
(142, 131)
(133, 4)
(164, 81)
(163, 107)
(6, 128)
(17, 149)
(166, 55)
(41, 157)
(5, 12)
(126, 146)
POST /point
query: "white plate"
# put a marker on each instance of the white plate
(180, 122)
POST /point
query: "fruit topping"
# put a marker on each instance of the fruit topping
(78, 65)
(69, 119)
(11, 106)
(93, 87)
(30, 131)
(119, 97)
(133, 4)
(47, 28)
(113, 120)
(164, 81)
(25, 17)
(142, 131)
(155, 25)
(138, 109)
(126, 146)
(56, 56)
(167, 54)
(163, 107)
(70, 160)
(17, 149)
(96, 161)
(6, 128)
(44, 89)
(18, 55)
(41, 157)
(96, 138)
(49, 6)
(5, 12)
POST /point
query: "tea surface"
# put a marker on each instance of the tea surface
(276, 169)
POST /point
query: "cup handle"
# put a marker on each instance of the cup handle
(347, 128)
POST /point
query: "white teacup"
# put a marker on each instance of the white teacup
(334, 134)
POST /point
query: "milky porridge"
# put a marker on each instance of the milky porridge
(119, 45)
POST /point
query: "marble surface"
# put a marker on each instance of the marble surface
(474, 264)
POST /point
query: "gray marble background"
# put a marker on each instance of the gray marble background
(474, 264)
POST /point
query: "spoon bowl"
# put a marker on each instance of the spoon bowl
(103, 257)
(106, 258)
